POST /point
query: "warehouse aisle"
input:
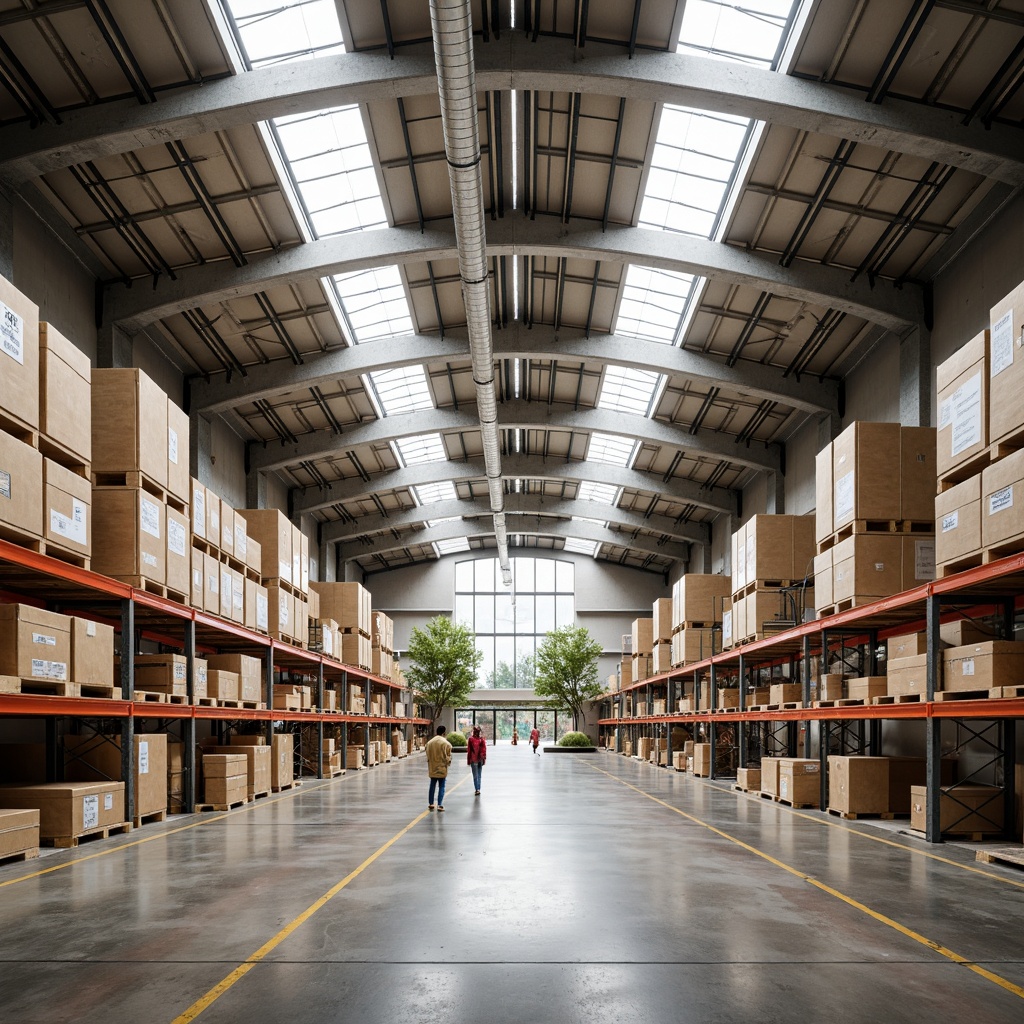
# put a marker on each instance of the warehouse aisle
(565, 892)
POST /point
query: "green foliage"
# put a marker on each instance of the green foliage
(505, 676)
(457, 739)
(567, 670)
(575, 739)
(443, 661)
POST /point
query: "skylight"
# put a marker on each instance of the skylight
(604, 493)
(611, 450)
(584, 519)
(625, 389)
(402, 389)
(275, 32)
(449, 547)
(445, 519)
(581, 547)
(653, 304)
(375, 303)
(429, 494)
(414, 451)
(749, 32)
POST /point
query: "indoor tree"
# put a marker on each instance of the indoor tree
(443, 663)
(566, 670)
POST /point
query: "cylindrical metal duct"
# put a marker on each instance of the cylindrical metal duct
(451, 25)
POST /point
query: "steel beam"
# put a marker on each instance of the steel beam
(271, 380)
(536, 528)
(521, 414)
(204, 286)
(107, 129)
(515, 505)
(515, 467)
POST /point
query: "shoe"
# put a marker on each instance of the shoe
(430, 807)
(439, 807)
(477, 792)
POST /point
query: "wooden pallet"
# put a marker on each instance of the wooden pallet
(150, 819)
(221, 807)
(680, 626)
(243, 705)
(847, 603)
(1006, 691)
(99, 690)
(69, 842)
(155, 697)
(857, 816)
(745, 789)
(290, 785)
(142, 482)
(1006, 445)
(203, 545)
(206, 702)
(260, 795)
(972, 467)
(769, 584)
(1012, 855)
(794, 705)
(30, 854)
(18, 428)
(63, 554)
(333, 773)
(875, 527)
(899, 698)
(22, 538)
(944, 695)
(844, 702)
(39, 687)
(796, 805)
(765, 796)
(60, 453)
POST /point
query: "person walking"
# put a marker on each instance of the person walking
(476, 756)
(515, 737)
(439, 757)
(534, 739)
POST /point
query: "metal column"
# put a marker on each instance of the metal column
(344, 725)
(366, 729)
(806, 652)
(189, 775)
(933, 727)
(128, 722)
(741, 727)
(320, 720)
(268, 689)
(712, 731)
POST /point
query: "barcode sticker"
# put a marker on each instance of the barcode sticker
(1000, 501)
(12, 334)
(967, 667)
(172, 445)
(45, 639)
(199, 512)
(967, 415)
(843, 504)
(1001, 343)
(951, 522)
(175, 537)
(108, 801)
(90, 811)
(43, 668)
(143, 757)
(149, 517)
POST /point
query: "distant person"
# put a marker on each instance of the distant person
(476, 756)
(439, 757)
(534, 739)
(515, 737)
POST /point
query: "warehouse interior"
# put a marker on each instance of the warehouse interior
(528, 314)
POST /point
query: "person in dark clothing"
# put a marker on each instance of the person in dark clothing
(476, 756)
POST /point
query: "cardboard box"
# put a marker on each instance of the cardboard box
(963, 406)
(906, 645)
(248, 669)
(643, 636)
(866, 471)
(918, 560)
(175, 777)
(178, 480)
(198, 505)
(237, 597)
(256, 612)
(197, 589)
(227, 528)
(211, 571)
(281, 613)
(823, 592)
(962, 809)
(661, 618)
(858, 785)
(799, 781)
(867, 565)
(222, 684)
(258, 765)
(161, 673)
(917, 472)
(907, 676)
(770, 775)
(231, 763)
(21, 482)
(223, 792)
(225, 591)
(129, 424)
(907, 772)
(68, 809)
(179, 552)
(1002, 502)
(700, 598)
(748, 779)
(241, 541)
(253, 553)
(958, 521)
(1006, 320)
(727, 698)
(98, 759)
(65, 393)
(866, 687)
(212, 519)
(694, 644)
(702, 760)
(739, 559)
(281, 760)
(964, 631)
(347, 603)
(19, 831)
(34, 644)
(129, 530)
(19, 355)
(983, 666)
(778, 547)
(67, 509)
(273, 531)
(303, 583)
(785, 693)
(832, 686)
(625, 672)
(823, 487)
(92, 652)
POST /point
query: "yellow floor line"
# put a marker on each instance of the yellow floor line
(207, 1000)
(159, 835)
(996, 979)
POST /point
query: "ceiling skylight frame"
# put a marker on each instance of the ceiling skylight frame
(419, 450)
(581, 547)
(612, 449)
(629, 389)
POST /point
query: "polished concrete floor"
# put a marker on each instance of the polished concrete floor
(578, 888)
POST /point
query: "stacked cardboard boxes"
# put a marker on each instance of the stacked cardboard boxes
(382, 652)
(98, 759)
(642, 647)
(348, 604)
(70, 810)
(699, 604)
(226, 778)
(285, 565)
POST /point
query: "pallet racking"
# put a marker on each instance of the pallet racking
(29, 577)
(992, 591)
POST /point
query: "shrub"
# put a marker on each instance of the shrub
(575, 739)
(456, 739)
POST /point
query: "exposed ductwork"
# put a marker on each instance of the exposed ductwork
(451, 25)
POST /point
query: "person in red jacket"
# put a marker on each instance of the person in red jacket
(476, 755)
(534, 738)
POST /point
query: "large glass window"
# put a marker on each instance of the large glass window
(509, 624)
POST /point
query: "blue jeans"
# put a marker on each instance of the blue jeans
(477, 770)
(437, 784)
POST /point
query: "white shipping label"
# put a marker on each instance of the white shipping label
(967, 415)
(1001, 343)
(946, 413)
(199, 513)
(149, 517)
(739, 574)
(149, 559)
(1000, 501)
(90, 629)
(241, 540)
(179, 672)
(172, 445)
(227, 532)
(784, 787)
(43, 668)
(951, 522)
(176, 538)
(12, 334)
(214, 582)
(236, 597)
(225, 582)
(45, 639)
(214, 520)
(924, 559)
(751, 566)
(197, 577)
(143, 757)
(262, 612)
(5, 484)
(282, 610)
(879, 566)
(967, 667)
(108, 801)
(284, 570)
(328, 643)
(727, 627)
(79, 521)
(843, 503)
(90, 811)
